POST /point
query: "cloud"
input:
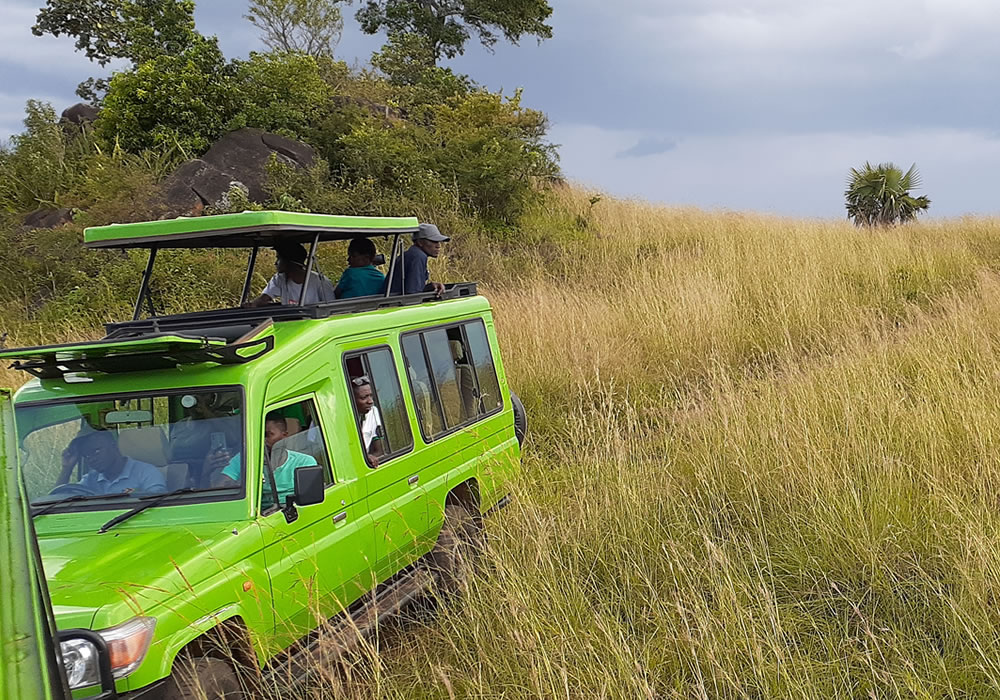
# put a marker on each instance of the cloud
(648, 146)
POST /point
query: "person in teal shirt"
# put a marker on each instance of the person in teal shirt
(361, 278)
(283, 462)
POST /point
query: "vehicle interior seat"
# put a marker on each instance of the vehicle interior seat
(149, 444)
(466, 381)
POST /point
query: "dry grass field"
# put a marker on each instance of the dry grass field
(763, 462)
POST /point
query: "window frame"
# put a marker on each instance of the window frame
(434, 388)
(195, 497)
(350, 354)
(277, 406)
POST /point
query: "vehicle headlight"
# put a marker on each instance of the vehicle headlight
(127, 646)
(79, 658)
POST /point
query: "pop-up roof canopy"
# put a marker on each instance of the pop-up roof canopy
(250, 229)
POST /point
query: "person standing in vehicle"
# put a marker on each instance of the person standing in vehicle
(371, 420)
(410, 275)
(361, 278)
(108, 470)
(286, 284)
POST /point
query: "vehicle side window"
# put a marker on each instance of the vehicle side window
(428, 407)
(481, 358)
(379, 410)
(293, 438)
(452, 375)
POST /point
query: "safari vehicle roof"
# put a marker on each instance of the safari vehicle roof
(248, 229)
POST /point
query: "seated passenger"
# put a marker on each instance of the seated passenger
(108, 470)
(361, 278)
(283, 462)
(286, 284)
(413, 267)
(371, 421)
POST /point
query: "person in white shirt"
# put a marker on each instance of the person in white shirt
(286, 284)
(371, 421)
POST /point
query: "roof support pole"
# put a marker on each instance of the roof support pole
(249, 279)
(392, 265)
(144, 287)
(309, 267)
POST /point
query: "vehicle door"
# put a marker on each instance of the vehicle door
(397, 500)
(318, 557)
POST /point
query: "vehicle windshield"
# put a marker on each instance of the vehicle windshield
(115, 450)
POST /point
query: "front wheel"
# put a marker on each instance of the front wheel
(203, 678)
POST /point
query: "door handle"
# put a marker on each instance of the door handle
(413, 479)
(340, 517)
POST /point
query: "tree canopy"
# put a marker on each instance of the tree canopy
(879, 195)
(449, 24)
(305, 26)
(136, 30)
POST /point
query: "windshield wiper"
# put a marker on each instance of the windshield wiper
(155, 500)
(48, 506)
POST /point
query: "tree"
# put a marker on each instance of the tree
(449, 24)
(879, 195)
(311, 27)
(136, 30)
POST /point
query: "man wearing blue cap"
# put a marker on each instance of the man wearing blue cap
(410, 274)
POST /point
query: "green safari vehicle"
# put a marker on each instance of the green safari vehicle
(229, 495)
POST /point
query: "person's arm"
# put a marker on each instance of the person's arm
(271, 292)
(69, 460)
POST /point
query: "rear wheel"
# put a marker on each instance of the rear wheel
(205, 677)
(520, 418)
(457, 545)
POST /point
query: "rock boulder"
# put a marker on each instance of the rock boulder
(239, 157)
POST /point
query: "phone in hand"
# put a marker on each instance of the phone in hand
(218, 442)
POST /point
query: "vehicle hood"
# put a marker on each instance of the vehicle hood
(128, 572)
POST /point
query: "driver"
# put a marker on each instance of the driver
(108, 470)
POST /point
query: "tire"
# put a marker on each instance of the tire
(205, 678)
(520, 418)
(452, 558)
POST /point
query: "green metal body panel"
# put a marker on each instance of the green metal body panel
(196, 565)
(234, 230)
(24, 624)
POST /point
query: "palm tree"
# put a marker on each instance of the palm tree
(879, 195)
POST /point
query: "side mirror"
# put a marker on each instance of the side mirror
(309, 486)
(379, 260)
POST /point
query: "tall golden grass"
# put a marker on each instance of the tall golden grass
(762, 463)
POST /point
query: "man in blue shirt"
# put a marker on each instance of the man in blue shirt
(108, 470)
(361, 278)
(410, 275)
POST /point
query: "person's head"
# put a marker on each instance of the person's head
(429, 239)
(361, 252)
(291, 258)
(363, 398)
(275, 429)
(98, 450)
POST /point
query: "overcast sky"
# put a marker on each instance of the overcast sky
(760, 104)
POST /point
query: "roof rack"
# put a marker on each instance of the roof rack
(149, 352)
(231, 324)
